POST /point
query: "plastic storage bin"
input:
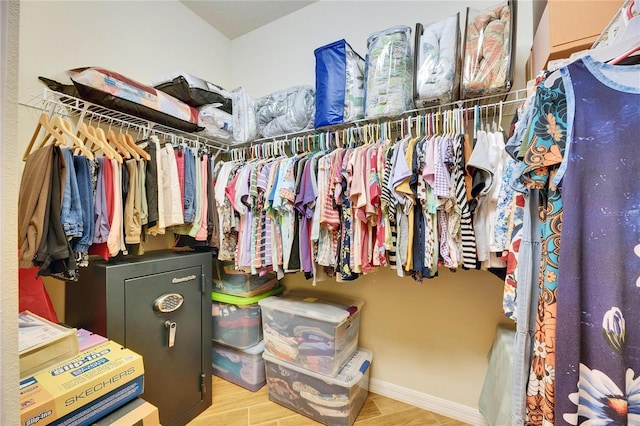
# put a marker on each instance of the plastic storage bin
(315, 331)
(334, 401)
(244, 367)
(339, 84)
(236, 320)
(229, 280)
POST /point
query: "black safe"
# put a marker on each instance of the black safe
(158, 305)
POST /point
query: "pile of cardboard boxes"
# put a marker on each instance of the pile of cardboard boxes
(74, 377)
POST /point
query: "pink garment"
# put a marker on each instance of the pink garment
(201, 234)
(179, 153)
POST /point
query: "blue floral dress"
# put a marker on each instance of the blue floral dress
(598, 356)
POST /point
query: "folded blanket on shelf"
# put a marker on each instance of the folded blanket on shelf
(437, 61)
(487, 51)
(286, 111)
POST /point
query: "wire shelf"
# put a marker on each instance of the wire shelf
(72, 107)
(488, 105)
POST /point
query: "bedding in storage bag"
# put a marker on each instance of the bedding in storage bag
(489, 53)
(339, 84)
(244, 116)
(115, 91)
(286, 111)
(437, 62)
(194, 91)
(389, 73)
(217, 123)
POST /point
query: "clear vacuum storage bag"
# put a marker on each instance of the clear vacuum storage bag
(244, 116)
(286, 111)
(489, 51)
(437, 62)
(389, 73)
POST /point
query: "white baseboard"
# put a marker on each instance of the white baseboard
(445, 407)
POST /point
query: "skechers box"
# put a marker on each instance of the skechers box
(237, 320)
(313, 330)
(334, 401)
(82, 389)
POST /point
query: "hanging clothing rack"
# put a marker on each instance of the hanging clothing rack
(56, 103)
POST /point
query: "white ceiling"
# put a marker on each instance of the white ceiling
(234, 18)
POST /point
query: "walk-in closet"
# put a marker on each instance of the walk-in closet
(320, 212)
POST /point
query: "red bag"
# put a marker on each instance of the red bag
(33, 295)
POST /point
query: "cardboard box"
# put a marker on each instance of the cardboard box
(80, 383)
(138, 412)
(43, 343)
(87, 414)
(567, 27)
(87, 339)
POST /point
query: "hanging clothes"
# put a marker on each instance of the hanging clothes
(543, 152)
(598, 360)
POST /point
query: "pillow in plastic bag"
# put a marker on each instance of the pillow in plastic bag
(244, 116)
(217, 123)
(488, 56)
(194, 91)
(436, 62)
(115, 91)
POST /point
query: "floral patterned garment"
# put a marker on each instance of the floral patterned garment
(598, 358)
(542, 158)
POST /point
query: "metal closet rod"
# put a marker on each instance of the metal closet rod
(469, 105)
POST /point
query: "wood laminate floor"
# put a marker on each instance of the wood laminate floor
(233, 405)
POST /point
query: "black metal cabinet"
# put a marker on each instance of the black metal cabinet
(158, 305)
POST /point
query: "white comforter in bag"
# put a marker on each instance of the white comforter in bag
(286, 111)
(437, 60)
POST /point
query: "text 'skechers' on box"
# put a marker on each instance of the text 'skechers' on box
(83, 388)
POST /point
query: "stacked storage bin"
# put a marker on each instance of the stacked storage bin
(313, 363)
(237, 324)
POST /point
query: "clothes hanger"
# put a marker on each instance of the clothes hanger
(65, 128)
(132, 143)
(91, 141)
(101, 135)
(122, 139)
(113, 141)
(49, 131)
(625, 43)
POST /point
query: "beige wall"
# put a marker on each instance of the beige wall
(280, 54)
(431, 338)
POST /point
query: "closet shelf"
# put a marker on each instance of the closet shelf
(72, 107)
(69, 106)
(488, 104)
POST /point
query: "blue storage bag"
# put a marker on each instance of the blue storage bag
(339, 84)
